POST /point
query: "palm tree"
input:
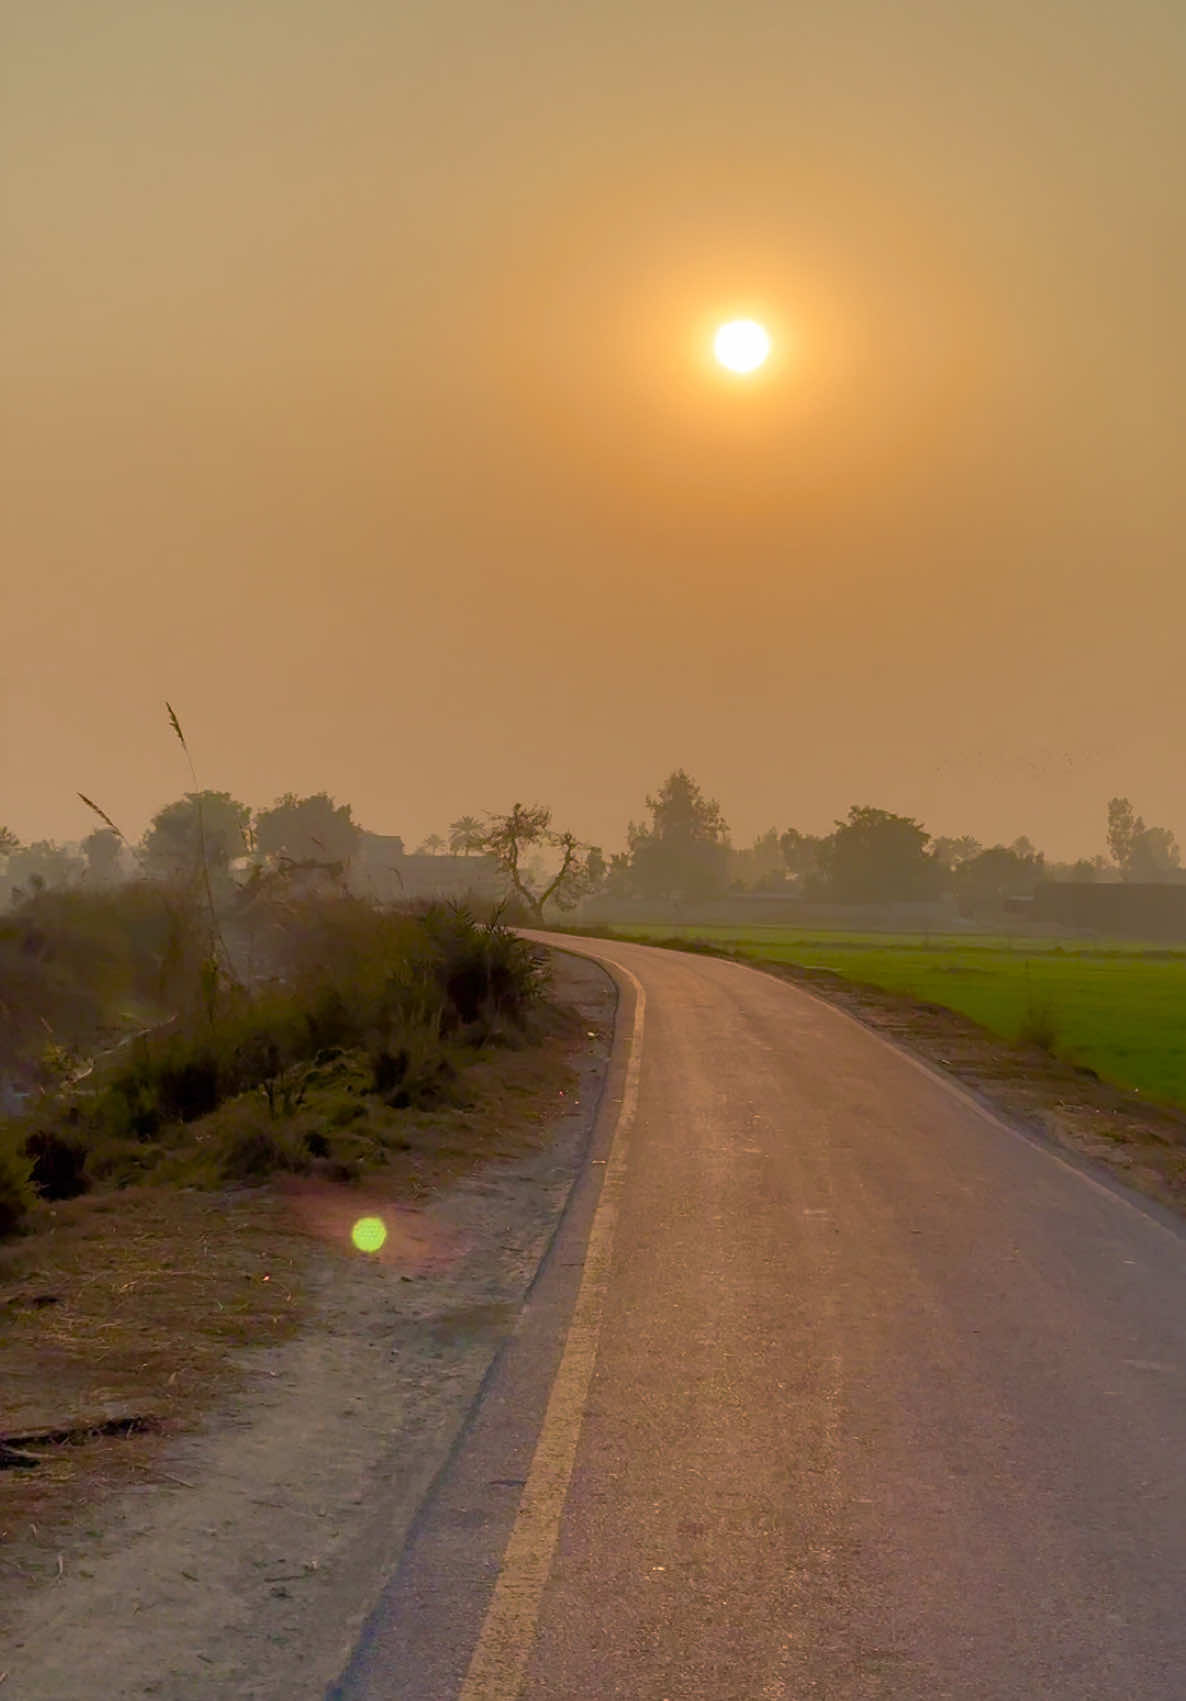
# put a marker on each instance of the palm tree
(432, 846)
(465, 835)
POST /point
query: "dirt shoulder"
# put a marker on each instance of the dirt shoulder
(1142, 1145)
(276, 1404)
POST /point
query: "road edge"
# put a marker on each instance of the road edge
(394, 1635)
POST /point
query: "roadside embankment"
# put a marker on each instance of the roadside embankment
(285, 1400)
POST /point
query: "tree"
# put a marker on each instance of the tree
(102, 851)
(800, 852)
(41, 864)
(762, 867)
(953, 853)
(984, 882)
(877, 857)
(207, 825)
(433, 846)
(618, 881)
(465, 835)
(1123, 826)
(307, 830)
(8, 842)
(684, 851)
(1083, 869)
(1140, 852)
(1155, 855)
(514, 839)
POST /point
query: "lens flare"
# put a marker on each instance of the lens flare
(369, 1233)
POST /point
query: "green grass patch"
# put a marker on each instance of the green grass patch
(1114, 1007)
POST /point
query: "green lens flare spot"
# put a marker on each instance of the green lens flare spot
(369, 1233)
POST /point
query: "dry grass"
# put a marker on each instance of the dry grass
(127, 1307)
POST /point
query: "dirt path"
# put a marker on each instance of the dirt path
(247, 1568)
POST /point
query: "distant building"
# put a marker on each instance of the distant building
(381, 869)
(1154, 910)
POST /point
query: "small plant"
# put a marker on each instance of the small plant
(285, 1092)
(58, 1065)
(1039, 1025)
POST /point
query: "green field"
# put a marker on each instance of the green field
(1118, 1008)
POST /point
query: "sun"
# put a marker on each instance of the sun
(741, 345)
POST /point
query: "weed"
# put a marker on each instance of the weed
(1039, 1024)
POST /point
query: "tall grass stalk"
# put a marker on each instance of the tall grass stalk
(216, 935)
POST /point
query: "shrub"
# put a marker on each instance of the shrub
(58, 1163)
(412, 1070)
(364, 1002)
(17, 1195)
(484, 969)
(72, 961)
(250, 1148)
(187, 1083)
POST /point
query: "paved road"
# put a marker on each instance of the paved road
(887, 1401)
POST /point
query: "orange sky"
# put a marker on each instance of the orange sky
(355, 399)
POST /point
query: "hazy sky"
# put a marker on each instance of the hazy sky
(356, 397)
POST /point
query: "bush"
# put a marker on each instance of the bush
(58, 1163)
(250, 1148)
(17, 1195)
(416, 1072)
(72, 961)
(484, 970)
(364, 1002)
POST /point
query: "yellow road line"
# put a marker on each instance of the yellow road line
(508, 1630)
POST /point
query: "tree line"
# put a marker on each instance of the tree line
(873, 856)
(680, 850)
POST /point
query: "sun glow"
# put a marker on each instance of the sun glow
(742, 345)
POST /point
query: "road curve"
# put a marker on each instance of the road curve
(883, 1400)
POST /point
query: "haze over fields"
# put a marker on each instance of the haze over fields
(356, 398)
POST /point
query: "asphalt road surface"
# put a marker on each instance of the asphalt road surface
(831, 1386)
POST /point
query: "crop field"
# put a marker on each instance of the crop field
(1117, 1008)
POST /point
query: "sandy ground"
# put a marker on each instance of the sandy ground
(249, 1570)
